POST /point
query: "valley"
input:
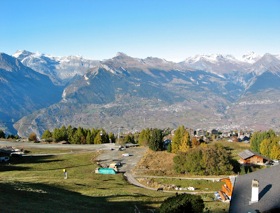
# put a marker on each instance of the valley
(207, 91)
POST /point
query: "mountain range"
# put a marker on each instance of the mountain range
(42, 92)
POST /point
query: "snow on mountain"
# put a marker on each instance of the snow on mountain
(216, 63)
(206, 85)
(23, 90)
(62, 69)
(213, 58)
(59, 69)
(21, 54)
(267, 62)
(250, 57)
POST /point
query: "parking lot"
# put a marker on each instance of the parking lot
(110, 153)
(128, 157)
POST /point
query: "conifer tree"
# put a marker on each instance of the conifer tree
(155, 141)
(47, 135)
(89, 138)
(2, 134)
(112, 137)
(98, 139)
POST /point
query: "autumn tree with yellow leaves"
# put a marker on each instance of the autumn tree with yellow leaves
(181, 140)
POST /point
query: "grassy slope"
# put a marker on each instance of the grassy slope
(36, 184)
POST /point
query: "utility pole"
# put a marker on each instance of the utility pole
(119, 132)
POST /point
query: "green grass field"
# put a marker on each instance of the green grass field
(37, 184)
(234, 147)
(199, 185)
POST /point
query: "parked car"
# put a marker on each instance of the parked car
(118, 164)
(4, 159)
(125, 154)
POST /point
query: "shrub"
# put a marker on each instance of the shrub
(182, 203)
(32, 137)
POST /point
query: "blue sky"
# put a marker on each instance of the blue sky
(172, 29)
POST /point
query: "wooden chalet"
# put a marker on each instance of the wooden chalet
(250, 157)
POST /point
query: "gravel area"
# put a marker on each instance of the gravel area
(128, 162)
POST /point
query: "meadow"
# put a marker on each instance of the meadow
(37, 184)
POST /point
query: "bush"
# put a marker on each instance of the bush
(209, 160)
(182, 203)
(32, 137)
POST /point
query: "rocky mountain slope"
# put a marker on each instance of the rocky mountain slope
(59, 69)
(209, 91)
(23, 91)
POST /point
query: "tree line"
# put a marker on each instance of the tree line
(10, 136)
(78, 135)
(153, 138)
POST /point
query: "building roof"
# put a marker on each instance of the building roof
(269, 191)
(248, 153)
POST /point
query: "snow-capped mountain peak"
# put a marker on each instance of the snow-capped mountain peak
(213, 58)
(20, 54)
(216, 63)
(250, 57)
(267, 62)
(59, 69)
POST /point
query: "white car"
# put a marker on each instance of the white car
(275, 162)
(125, 154)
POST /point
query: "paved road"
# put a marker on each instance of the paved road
(131, 179)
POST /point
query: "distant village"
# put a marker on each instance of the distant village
(230, 136)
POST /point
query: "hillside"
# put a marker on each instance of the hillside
(23, 91)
